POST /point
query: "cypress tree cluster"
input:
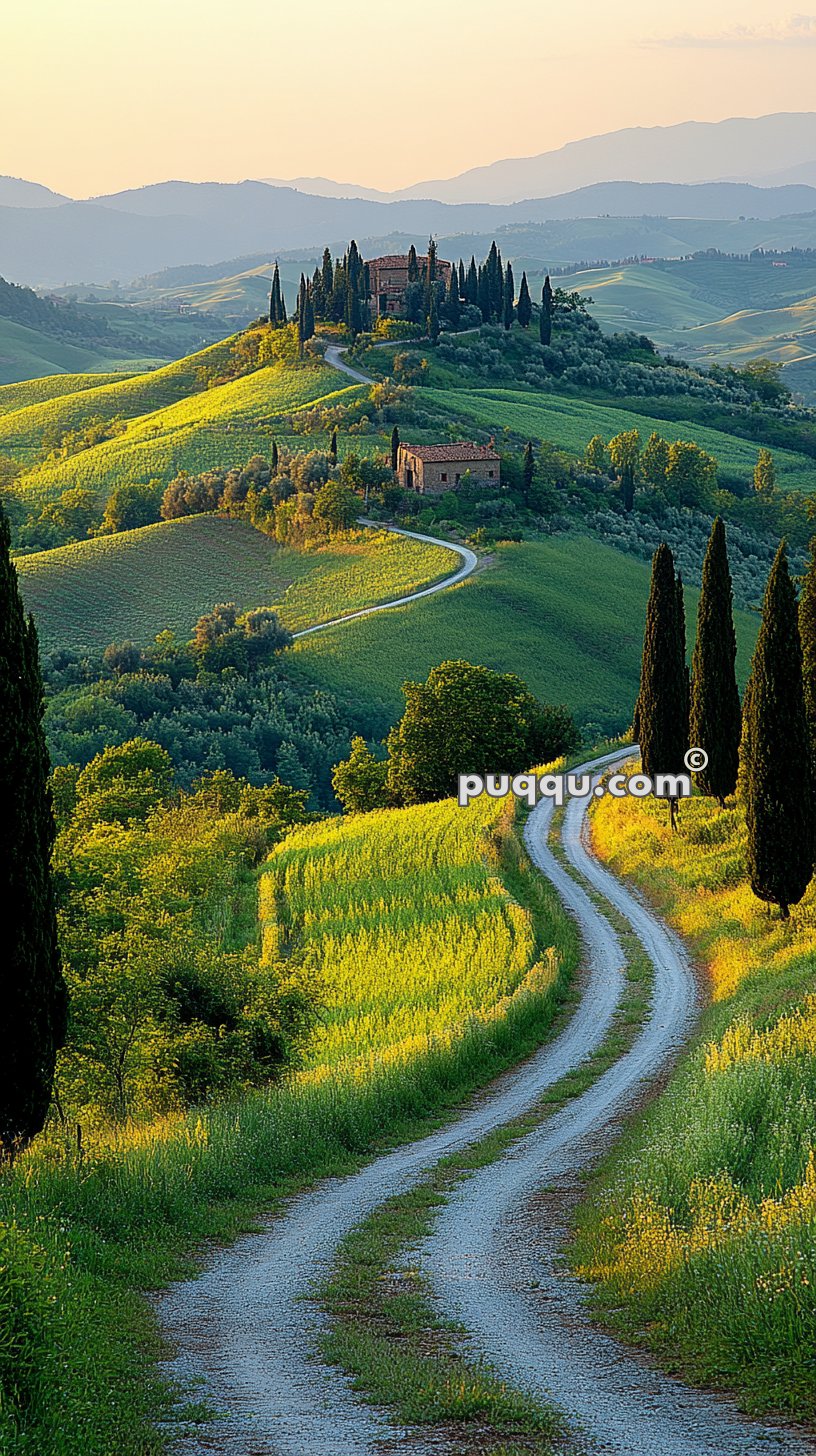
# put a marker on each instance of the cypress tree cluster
(776, 751)
(715, 719)
(661, 711)
(34, 1000)
(336, 293)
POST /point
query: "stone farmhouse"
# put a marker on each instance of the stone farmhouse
(389, 280)
(433, 469)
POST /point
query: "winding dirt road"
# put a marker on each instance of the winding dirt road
(247, 1328)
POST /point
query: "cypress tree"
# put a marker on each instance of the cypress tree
(807, 632)
(681, 649)
(34, 998)
(333, 447)
(483, 294)
(301, 315)
(318, 307)
(472, 284)
(778, 782)
(462, 280)
(547, 311)
(395, 444)
(527, 471)
(338, 294)
(524, 308)
(661, 710)
(413, 265)
(274, 457)
(277, 313)
(453, 300)
(328, 274)
(509, 298)
(715, 719)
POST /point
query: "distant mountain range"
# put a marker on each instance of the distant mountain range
(50, 240)
(764, 150)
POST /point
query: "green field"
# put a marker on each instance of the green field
(224, 425)
(30, 392)
(133, 585)
(29, 354)
(567, 615)
(571, 423)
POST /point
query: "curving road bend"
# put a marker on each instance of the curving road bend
(469, 563)
(506, 1284)
(246, 1328)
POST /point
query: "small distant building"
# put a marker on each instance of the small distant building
(389, 279)
(433, 469)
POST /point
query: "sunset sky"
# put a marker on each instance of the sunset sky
(99, 95)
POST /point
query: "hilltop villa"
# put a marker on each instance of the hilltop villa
(433, 469)
(389, 280)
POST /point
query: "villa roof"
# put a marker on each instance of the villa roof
(462, 450)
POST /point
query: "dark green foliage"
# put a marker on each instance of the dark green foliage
(527, 472)
(432, 322)
(807, 631)
(360, 781)
(453, 305)
(328, 275)
(468, 719)
(547, 311)
(661, 712)
(524, 308)
(273, 458)
(715, 719)
(277, 308)
(413, 265)
(395, 444)
(471, 292)
(462, 280)
(509, 296)
(32, 990)
(778, 781)
(333, 447)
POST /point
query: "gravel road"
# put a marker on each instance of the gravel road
(246, 1330)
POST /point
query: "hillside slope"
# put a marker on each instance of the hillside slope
(134, 585)
(566, 614)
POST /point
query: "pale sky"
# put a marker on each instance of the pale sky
(99, 95)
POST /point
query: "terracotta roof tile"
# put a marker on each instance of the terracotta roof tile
(462, 450)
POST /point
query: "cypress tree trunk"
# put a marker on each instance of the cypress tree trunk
(32, 989)
(778, 780)
(715, 723)
(661, 711)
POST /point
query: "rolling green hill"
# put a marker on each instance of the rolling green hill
(133, 585)
(26, 393)
(714, 310)
(27, 353)
(565, 614)
(224, 425)
(571, 423)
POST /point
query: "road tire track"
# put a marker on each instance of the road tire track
(247, 1328)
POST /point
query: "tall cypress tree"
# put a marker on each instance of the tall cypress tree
(395, 444)
(328, 274)
(277, 313)
(433, 319)
(681, 652)
(524, 308)
(807, 632)
(661, 715)
(413, 265)
(301, 315)
(483, 295)
(454, 309)
(778, 783)
(509, 299)
(32, 990)
(547, 311)
(462, 280)
(274, 457)
(715, 719)
(333, 447)
(472, 284)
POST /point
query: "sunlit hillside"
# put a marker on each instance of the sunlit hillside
(135, 584)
